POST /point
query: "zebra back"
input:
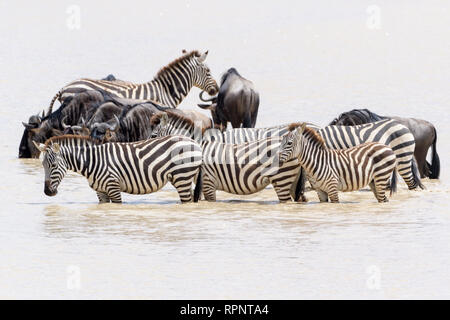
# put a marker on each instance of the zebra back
(169, 87)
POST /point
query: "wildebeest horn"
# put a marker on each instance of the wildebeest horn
(76, 128)
(40, 147)
(116, 124)
(28, 125)
(211, 106)
(205, 100)
(65, 126)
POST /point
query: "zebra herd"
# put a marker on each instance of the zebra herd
(185, 151)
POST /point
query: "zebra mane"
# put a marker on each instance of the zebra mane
(314, 136)
(70, 137)
(155, 120)
(186, 56)
(294, 125)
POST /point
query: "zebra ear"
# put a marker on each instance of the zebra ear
(108, 135)
(55, 147)
(302, 127)
(202, 58)
(40, 147)
(164, 120)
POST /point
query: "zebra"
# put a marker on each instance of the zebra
(111, 168)
(246, 168)
(389, 132)
(169, 87)
(170, 122)
(330, 170)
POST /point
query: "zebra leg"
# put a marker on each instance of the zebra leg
(209, 189)
(405, 169)
(283, 192)
(113, 192)
(184, 188)
(103, 197)
(298, 187)
(333, 192)
(378, 187)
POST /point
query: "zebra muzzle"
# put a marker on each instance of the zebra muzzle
(48, 190)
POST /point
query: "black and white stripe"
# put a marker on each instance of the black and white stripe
(111, 168)
(170, 123)
(169, 87)
(246, 168)
(330, 171)
(388, 132)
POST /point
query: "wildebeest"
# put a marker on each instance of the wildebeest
(71, 110)
(237, 101)
(133, 124)
(134, 121)
(33, 122)
(424, 133)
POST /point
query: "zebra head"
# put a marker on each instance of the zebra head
(291, 145)
(165, 123)
(160, 123)
(55, 167)
(202, 78)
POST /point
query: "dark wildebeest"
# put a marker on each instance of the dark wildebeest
(33, 122)
(133, 124)
(26, 148)
(424, 133)
(237, 102)
(71, 110)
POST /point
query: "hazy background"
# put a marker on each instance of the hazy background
(310, 60)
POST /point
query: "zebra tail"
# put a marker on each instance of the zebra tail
(198, 186)
(415, 173)
(50, 108)
(435, 162)
(393, 185)
(300, 188)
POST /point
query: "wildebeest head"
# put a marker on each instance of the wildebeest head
(80, 129)
(25, 148)
(202, 75)
(105, 131)
(38, 131)
(54, 167)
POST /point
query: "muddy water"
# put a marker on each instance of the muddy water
(310, 62)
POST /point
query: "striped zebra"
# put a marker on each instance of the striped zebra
(246, 168)
(171, 123)
(111, 168)
(330, 171)
(169, 87)
(389, 132)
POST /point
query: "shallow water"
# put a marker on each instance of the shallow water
(310, 61)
